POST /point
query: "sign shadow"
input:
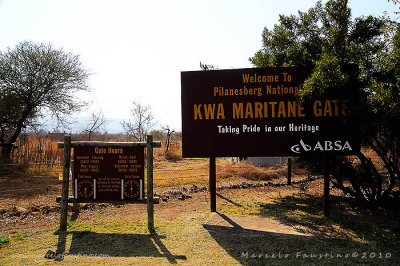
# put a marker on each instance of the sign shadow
(92, 244)
(229, 200)
(348, 215)
(258, 246)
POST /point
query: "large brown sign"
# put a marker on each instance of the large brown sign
(256, 112)
(108, 173)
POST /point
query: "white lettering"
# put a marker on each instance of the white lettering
(328, 145)
(347, 146)
(338, 145)
(318, 146)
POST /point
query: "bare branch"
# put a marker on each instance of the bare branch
(96, 123)
(141, 121)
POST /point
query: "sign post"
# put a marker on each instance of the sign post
(326, 202)
(289, 171)
(257, 112)
(150, 204)
(107, 172)
(65, 183)
(213, 184)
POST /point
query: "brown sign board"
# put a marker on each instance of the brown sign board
(256, 112)
(108, 173)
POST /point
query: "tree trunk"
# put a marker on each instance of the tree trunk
(167, 141)
(6, 151)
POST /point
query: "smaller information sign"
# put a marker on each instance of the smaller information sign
(109, 173)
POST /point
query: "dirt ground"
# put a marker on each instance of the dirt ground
(253, 217)
(27, 201)
(15, 186)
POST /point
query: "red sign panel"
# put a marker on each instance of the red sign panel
(108, 173)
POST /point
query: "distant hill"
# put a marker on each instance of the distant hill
(78, 124)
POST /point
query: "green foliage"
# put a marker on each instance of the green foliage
(35, 78)
(326, 76)
(4, 239)
(71, 223)
(361, 58)
(295, 41)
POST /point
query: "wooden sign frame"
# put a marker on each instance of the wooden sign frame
(64, 199)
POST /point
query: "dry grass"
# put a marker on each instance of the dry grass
(37, 150)
(184, 237)
(40, 169)
(43, 150)
(180, 173)
(196, 171)
(174, 152)
(254, 223)
(39, 156)
(252, 172)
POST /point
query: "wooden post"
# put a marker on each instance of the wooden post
(150, 203)
(65, 183)
(326, 186)
(289, 171)
(213, 185)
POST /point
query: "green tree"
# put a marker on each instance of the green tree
(328, 40)
(36, 78)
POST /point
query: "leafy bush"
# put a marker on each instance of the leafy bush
(326, 39)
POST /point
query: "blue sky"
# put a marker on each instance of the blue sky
(137, 49)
